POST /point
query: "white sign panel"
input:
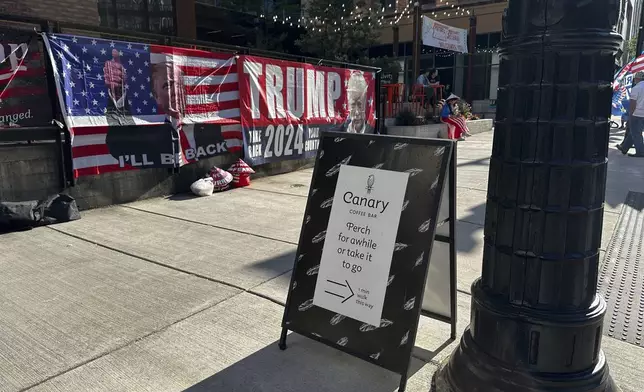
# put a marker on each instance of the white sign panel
(442, 36)
(360, 241)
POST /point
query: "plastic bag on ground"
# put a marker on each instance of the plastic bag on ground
(203, 187)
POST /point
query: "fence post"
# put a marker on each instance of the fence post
(378, 103)
(63, 139)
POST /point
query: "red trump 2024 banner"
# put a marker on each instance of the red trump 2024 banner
(285, 105)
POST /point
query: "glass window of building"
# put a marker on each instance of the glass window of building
(156, 16)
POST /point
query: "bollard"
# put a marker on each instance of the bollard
(536, 321)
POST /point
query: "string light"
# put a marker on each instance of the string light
(368, 15)
(492, 50)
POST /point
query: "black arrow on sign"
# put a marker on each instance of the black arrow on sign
(343, 285)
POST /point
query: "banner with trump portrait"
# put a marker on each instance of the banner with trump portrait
(285, 105)
(132, 105)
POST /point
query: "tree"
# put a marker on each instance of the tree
(278, 29)
(387, 64)
(341, 30)
(630, 47)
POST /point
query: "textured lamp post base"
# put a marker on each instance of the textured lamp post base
(471, 370)
(537, 321)
(508, 348)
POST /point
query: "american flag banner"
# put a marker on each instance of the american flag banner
(133, 105)
(24, 99)
(623, 83)
(635, 66)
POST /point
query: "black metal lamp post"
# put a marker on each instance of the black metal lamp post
(536, 322)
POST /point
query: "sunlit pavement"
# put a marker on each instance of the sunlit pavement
(186, 293)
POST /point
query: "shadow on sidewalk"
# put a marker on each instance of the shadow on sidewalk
(483, 162)
(306, 366)
(469, 229)
(273, 266)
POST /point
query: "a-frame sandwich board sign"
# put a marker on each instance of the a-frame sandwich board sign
(362, 260)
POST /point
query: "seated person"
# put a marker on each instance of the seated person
(456, 125)
(429, 79)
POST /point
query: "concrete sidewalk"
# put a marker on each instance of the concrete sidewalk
(186, 294)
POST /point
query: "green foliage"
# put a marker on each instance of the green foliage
(386, 63)
(272, 41)
(464, 108)
(630, 47)
(337, 32)
(430, 117)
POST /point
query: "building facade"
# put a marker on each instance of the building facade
(245, 23)
(629, 21)
(482, 18)
(154, 16)
(233, 22)
(487, 17)
(60, 10)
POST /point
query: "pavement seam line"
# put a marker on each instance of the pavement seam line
(426, 361)
(471, 223)
(124, 345)
(250, 290)
(464, 292)
(210, 225)
(471, 189)
(228, 229)
(278, 302)
(148, 260)
(164, 328)
(160, 264)
(277, 193)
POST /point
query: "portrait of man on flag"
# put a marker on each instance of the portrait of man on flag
(115, 74)
(133, 105)
(356, 121)
(168, 89)
(172, 88)
(357, 97)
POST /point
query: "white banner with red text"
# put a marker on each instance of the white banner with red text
(439, 35)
